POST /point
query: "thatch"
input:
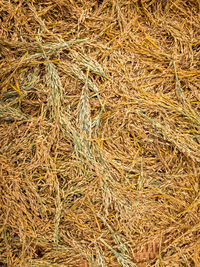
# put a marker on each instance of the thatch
(99, 133)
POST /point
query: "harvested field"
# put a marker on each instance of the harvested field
(100, 133)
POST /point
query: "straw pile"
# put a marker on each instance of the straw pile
(99, 133)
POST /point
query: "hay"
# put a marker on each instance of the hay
(99, 133)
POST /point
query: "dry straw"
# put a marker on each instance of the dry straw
(99, 133)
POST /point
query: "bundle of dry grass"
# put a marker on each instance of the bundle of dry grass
(100, 137)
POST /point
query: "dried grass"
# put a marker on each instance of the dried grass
(99, 133)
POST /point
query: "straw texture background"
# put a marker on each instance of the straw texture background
(99, 133)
